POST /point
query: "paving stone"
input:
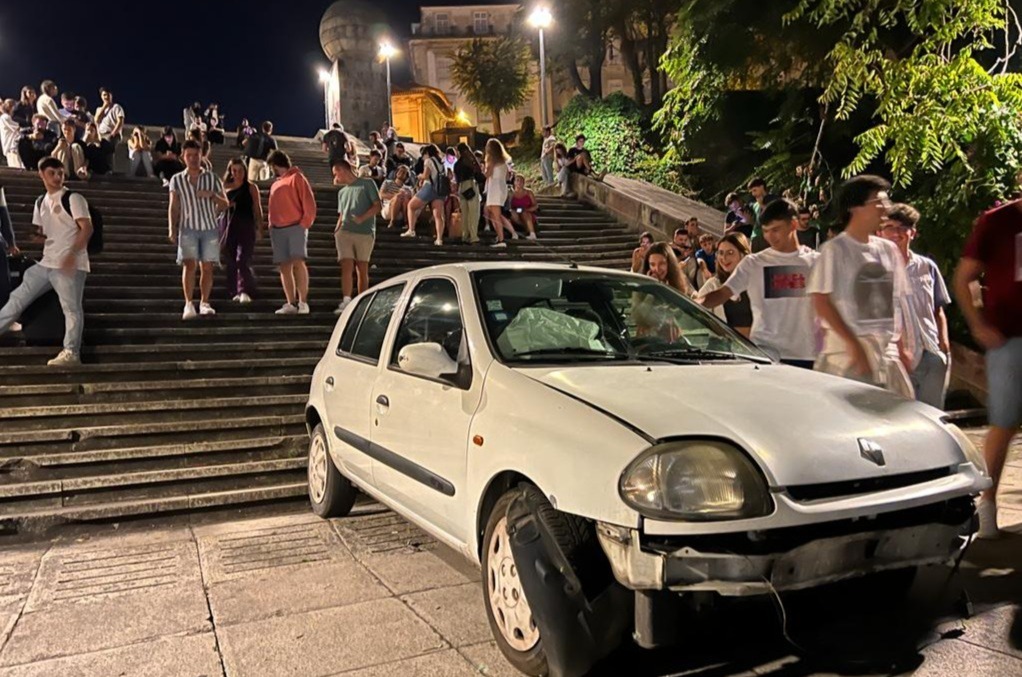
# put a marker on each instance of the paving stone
(414, 571)
(953, 658)
(327, 641)
(488, 660)
(381, 532)
(292, 590)
(443, 664)
(18, 567)
(457, 613)
(267, 548)
(993, 629)
(195, 656)
(140, 593)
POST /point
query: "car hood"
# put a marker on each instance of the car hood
(802, 427)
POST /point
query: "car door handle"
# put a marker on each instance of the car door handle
(383, 401)
(329, 383)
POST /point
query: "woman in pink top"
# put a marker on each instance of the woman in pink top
(524, 207)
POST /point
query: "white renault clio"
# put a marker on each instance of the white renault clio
(603, 447)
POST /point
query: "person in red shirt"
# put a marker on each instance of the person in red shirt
(292, 211)
(993, 252)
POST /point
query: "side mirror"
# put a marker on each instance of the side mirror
(426, 359)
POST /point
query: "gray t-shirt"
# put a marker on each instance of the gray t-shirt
(926, 293)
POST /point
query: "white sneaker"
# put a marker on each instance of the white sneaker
(438, 242)
(65, 358)
(531, 236)
(303, 308)
(189, 311)
(501, 245)
(243, 298)
(987, 511)
(206, 309)
(408, 233)
(15, 326)
(236, 298)
(342, 305)
(514, 234)
(287, 309)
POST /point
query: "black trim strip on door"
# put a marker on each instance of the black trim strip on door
(395, 461)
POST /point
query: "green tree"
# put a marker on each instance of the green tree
(493, 74)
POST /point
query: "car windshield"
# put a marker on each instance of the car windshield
(553, 316)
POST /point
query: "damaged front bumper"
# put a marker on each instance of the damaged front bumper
(785, 559)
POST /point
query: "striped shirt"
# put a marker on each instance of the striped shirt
(196, 213)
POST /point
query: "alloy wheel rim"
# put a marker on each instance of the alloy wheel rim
(317, 469)
(506, 597)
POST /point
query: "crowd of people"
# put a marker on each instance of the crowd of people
(857, 301)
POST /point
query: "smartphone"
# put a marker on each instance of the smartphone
(519, 210)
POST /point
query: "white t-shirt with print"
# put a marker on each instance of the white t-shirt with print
(866, 282)
(782, 313)
(60, 228)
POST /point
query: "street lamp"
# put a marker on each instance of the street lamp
(324, 79)
(541, 18)
(387, 51)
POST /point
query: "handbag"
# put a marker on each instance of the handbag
(469, 193)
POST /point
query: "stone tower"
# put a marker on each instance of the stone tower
(350, 33)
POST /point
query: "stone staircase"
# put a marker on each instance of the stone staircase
(173, 416)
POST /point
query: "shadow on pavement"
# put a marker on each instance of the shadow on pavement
(858, 627)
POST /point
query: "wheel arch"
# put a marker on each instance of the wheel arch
(495, 488)
(312, 418)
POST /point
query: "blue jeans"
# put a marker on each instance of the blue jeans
(930, 378)
(69, 287)
(546, 165)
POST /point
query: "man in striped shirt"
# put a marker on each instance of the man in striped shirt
(196, 198)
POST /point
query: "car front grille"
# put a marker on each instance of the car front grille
(816, 492)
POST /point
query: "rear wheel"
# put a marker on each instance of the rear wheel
(330, 493)
(507, 609)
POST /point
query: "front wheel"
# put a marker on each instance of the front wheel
(507, 609)
(330, 493)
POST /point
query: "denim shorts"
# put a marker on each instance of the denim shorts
(198, 245)
(288, 243)
(428, 193)
(1004, 384)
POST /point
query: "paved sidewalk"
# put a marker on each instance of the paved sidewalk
(371, 595)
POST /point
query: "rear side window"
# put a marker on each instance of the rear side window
(372, 329)
(348, 336)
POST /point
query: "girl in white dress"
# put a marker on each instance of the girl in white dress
(496, 190)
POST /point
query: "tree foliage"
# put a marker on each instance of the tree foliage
(493, 74)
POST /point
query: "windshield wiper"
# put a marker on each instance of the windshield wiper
(693, 353)
(572, 353)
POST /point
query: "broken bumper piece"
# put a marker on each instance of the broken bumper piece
(672, 564)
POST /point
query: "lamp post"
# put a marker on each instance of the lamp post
(541, 19)
(324, 79)
(387, 51)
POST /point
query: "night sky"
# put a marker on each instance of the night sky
(257, 59)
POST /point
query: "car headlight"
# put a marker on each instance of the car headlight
(699, 480)
(972, 454)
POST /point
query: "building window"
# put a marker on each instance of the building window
(481, 22)
(443, 24)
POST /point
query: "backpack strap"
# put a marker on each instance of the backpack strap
(65, 200)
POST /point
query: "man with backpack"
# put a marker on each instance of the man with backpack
(257, 149)
(63, 218)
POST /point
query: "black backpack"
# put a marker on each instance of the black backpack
(95, 245)
(443, 182)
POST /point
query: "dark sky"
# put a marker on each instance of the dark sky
(256, 58)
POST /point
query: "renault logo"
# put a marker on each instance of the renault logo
(871, 451)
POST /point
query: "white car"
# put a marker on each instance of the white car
(597, 443)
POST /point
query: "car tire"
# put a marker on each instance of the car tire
(519, 641)
(330, 493)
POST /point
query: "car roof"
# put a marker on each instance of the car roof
(523, 266)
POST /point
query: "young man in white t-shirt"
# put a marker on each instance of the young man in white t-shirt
(857, 286)
(775, 279)
(64, 265)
